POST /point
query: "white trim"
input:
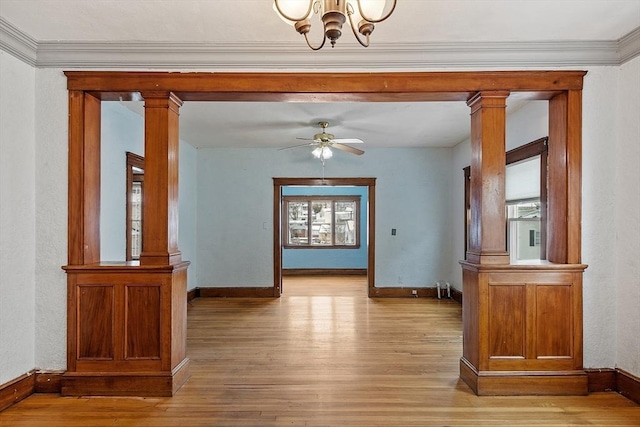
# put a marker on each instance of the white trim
(284, 56)
(263, 55)
(629, 46)
(17, 43)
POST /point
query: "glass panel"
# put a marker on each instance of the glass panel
(345, 231)
(524, 230)
(321, 225)
(298, 223)
(136, 219)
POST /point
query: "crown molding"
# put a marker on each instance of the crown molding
(17, 43)
(263, 55)
(629, 46)
(269, 55)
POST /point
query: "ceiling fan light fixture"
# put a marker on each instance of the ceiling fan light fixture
(322, 153)
(358, 14)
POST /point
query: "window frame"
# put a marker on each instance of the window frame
(134, 161)
(309, 199)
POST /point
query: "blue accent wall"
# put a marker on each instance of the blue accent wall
(329, 258)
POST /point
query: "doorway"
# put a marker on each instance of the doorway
(368, 239)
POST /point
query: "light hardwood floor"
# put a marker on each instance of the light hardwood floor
(324, 355)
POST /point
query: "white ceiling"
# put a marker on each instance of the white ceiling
(177, 34)
(254, 20)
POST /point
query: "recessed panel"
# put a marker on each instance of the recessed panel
(142, 322)
(507, 320)
(95, 322)
(554, 323)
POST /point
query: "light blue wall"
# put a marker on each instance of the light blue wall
(235, 211)
(122, 131)
(329, 258)
(188, 195)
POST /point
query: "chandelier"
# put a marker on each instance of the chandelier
(334, 13)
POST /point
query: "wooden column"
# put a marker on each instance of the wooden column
(565, 178)
(487, 241)
(84, 179)
(160, 204)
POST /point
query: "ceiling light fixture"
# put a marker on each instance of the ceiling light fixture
(322, 152)
(334, 13)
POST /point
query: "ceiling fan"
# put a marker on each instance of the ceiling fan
(323, 142)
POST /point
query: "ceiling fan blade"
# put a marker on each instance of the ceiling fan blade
(305, 139)
(348, 141)
(348, 148)
(296, 146)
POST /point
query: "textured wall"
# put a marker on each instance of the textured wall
(17, 218)
(627, 219)
(235, 198)
(51, 218)
(599, 135)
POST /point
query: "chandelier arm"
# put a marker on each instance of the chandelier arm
(375, 21)
(353, 29)
(311, 2)
(306, 37)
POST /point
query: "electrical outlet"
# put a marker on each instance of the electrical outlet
(414, 292)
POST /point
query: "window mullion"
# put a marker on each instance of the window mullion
(333, 223)
(309, 224)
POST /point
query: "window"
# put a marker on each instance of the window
(523, 232)
(135, 186)
(321, 222)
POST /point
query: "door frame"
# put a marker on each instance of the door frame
(278, 183)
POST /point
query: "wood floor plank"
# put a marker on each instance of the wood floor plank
(324, 355)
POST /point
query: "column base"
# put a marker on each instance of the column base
(488, 258)
(151, 384)
(524, 383)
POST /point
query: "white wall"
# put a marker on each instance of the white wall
(235, 199)
(17, 218)
(627, 219)
(51, 121)
(599, 141)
